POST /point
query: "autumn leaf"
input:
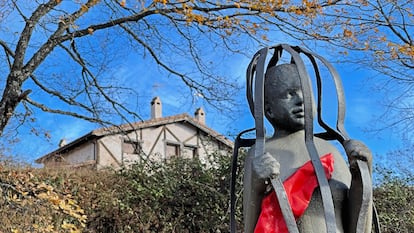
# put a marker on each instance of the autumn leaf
(84, 8)
(123, 3)
(69, 226)
(347, 33)
(42, 196)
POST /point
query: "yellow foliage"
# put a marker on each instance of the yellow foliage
(406, 49)
(45, 186)
(363, 2)
(366, 44)
(309, 4)
(84, 8)
(347, 33)
(29, 194)
(390, 44)
(296, 10)
(161, 1)
(123, 3)
(42, 196)
(198, 18)
(71, 227)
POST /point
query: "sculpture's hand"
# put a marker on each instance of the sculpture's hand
(266, 166)
(356, 150)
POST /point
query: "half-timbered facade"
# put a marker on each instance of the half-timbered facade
(159, 138)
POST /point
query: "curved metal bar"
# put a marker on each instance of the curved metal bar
(259, 102)
(256, 75)
(376, 219)
(326, 194)
(360, 172)
(330, 133)
(238, 142)
(360, 198)
(276, 56)
(249, 81)
(366, 204)
(256, 66)
(284, 205)
(340, 94)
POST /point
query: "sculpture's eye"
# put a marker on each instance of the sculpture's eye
(292, 93)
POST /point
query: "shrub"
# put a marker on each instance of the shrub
(181, 195)
(30, 204)
(394, 202)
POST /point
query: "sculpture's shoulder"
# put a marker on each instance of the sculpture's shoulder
(341, 171)
(323, 146)
(294, 145)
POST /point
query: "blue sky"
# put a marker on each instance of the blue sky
(141, 74)
(362, 108)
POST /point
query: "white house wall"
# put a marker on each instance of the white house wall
(154, 139)
(107, 151)
(110, 152)
(208, 147)
(80, 154)
(149, 138)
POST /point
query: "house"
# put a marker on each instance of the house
(159, 138)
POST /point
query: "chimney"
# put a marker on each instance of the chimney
(156, 108)
(200, 116)
(62, 142)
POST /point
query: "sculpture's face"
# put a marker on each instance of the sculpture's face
(284, 100)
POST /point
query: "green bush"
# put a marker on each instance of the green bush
(180, 195)
(30, 203)
(394, 202)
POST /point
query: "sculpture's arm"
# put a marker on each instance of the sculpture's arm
(360, 192)
(257, 171)
(357, 150)
(266, 166)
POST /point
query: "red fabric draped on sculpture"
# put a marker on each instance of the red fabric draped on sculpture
(299, 188)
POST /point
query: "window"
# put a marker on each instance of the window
(172, 150)
(190, 152)
(131, 147)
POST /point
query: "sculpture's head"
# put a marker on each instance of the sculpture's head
(283, 98)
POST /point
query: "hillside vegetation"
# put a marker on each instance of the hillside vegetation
(178, 196)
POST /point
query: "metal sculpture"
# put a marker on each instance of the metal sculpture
(360, 189)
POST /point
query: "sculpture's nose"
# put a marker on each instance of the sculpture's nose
(299, 98)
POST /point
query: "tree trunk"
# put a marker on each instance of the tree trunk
(12, 96)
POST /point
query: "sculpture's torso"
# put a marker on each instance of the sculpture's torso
(291, 153)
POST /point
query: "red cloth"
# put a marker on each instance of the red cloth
(299, 188)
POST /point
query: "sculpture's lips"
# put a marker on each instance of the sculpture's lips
(298, 112)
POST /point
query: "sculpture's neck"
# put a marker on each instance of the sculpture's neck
(284, 133)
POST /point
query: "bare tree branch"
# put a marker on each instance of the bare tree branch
(68, 113)
(83, 32)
